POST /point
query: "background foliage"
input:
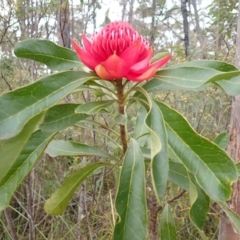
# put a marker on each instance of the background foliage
(91, 213)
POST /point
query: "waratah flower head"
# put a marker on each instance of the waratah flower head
(118, 51)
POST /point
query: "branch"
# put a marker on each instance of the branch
(173, 199)
(5, 80)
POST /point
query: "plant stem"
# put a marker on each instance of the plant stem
(121, 110)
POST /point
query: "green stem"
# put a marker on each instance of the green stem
(121, 110)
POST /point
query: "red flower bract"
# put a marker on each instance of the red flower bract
(117, 52)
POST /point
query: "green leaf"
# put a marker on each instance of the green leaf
(131, 203)
(229, 82)
(199, 200)
(196, 76)
(22, 165)
(161, 4)
(146, 153)
(213, 169)
(121, 119)
(238, 168)
(141, 132)
(67, 148)
(212, 64)
(58, 202)
(59, 117)
(167, 225)
(179, 175)
(222, 140)
(172, 155)
(196, 217)
(159, 163)
(94, 107)
(44, 51)
(10, 149)
(234, 218)
(18, 106)
(182, 78)
(159, 147)
(199, 205)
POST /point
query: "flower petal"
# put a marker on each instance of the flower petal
(142, 64)
(130, 55)
(94, 49)
(115, 66)
(161, 62)
(144, 53)
(157, 64)
(84, 56)
(142, 77)
(102, 72)
(86, 43)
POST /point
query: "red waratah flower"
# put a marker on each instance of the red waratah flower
(117, 52)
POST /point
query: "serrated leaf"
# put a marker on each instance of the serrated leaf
(59, 117)
(22, 165)
(131, 203)
(18, 106)
(222, 140)
(213, 169)
(94, 107)
(167, 225)
(58, 202)
(44, 51)
(10, 149)
(68, 148)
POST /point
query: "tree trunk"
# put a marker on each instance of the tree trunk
(226, 229)
(185, 25)
(130, 16)
(124, 7)
(153, 23)
(64, 24)
(63, 30)
(200, 36)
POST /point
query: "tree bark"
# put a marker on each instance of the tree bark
(124, 7)
(63, 30)
(200, 37)
(153, 23)
(64, 24)
(130, 18)
(185, 25)
(226, 229)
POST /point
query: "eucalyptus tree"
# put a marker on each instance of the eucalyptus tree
(227, 230)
